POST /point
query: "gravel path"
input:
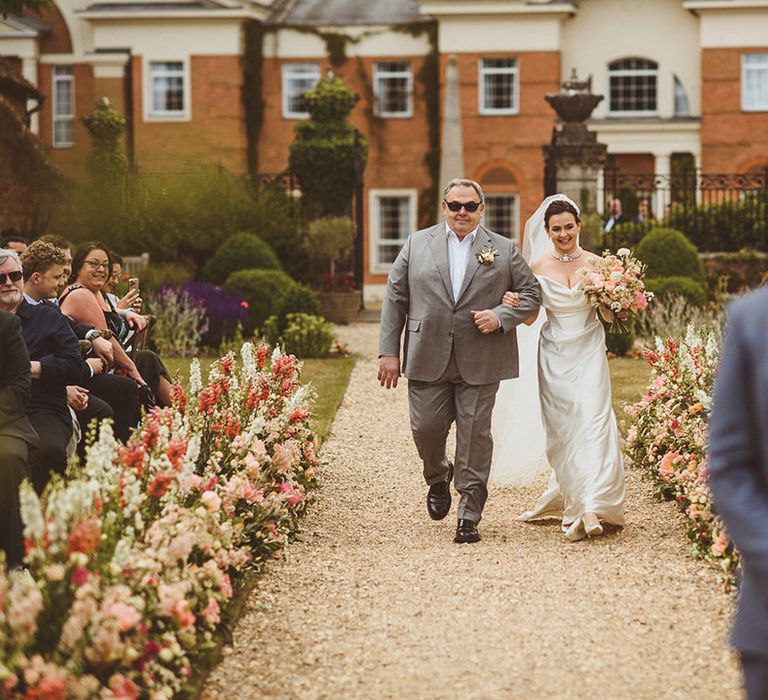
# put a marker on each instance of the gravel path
(377, 601)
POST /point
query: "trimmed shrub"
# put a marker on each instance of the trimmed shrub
(668, 253)
(305, 335)
(243, 251)
(664, 287)
(264, 290)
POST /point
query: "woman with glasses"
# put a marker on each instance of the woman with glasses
(85, 301)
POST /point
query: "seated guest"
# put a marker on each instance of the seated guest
(98, 395)
(54, 363)
(131, 300)
(11, 239)
(16, 432)
(84, 301)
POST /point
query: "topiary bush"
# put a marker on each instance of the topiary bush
(264, 290)
(664, 287)
(242, 251)
(305, 335)
(668, 253)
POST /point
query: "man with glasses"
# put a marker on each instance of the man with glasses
(55, 362)
(445, 290)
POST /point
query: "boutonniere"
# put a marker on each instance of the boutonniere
(486, 256)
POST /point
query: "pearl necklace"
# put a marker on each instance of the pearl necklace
(567, 257)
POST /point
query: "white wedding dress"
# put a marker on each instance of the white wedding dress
(570, 425)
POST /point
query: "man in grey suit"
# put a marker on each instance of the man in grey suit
(739, 474)
(445, 289)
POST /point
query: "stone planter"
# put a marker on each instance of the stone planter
(341, 307)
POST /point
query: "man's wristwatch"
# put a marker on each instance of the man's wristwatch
(96, 333)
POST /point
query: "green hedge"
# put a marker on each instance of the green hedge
(668, 253)
(242, 251)
(271, 293)
(686, 287)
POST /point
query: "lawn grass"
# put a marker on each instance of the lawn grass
(328, 377)
(629, 379)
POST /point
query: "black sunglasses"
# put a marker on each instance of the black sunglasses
(14, 276)
(456, 206)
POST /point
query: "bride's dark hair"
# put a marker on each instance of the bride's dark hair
(560, 206)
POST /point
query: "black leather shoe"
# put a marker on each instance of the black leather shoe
(466, 532)
(439, 497)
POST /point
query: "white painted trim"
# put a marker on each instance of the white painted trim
(206, 15)
(489, 7)
(379, 76)
(55, 117)
(374, 221)
(744, 68)
(705, 5)
(515, 71)
(184, 115)
(285, 79)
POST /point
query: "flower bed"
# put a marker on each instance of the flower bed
(134, 559)
(669, 435)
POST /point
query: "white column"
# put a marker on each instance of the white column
(662, 168)
(600, 203)
(452, 152)
(29, 71)
(697, 163)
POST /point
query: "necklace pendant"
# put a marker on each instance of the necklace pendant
(566, 258)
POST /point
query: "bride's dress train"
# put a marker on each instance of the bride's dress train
(576, 426)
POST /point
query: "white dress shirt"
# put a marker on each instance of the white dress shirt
(458, 258)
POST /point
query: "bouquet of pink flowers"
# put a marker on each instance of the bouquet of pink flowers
(614, 285)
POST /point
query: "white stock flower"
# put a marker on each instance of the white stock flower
(31, 511)
(249, 362)
(195, 377)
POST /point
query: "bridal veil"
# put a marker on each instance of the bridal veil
(518, 433)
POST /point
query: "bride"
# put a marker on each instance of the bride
(575, 431)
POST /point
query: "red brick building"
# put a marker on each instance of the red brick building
(681, 78)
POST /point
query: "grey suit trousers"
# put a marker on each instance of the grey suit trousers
(434, 407)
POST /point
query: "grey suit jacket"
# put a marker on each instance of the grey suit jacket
(739, 459)
(419, 298)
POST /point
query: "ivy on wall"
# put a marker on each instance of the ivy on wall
(251, 94)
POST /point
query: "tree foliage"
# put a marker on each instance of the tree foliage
(327, 150)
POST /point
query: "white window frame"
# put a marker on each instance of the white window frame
(290, 73)
(375, 265)
(484, 70)
(515, 234)
(634, 73)
(150, 113)
(379, 78)
(747, 68)
(57, 116)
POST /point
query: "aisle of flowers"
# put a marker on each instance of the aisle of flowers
(133, 560)
(668, 438)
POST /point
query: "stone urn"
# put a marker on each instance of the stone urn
(341, 307)
(574, 102)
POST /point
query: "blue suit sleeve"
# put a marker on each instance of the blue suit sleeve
(64, 365)
(738, 487)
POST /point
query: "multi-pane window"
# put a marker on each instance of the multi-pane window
(297, 79)
(168, 82)
(754, 81)
(633, 86)
(393, 215)
(498, 86)
(63, 106)
(501, 214)
(393, 89)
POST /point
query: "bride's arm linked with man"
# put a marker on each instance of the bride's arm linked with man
(445, 290)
